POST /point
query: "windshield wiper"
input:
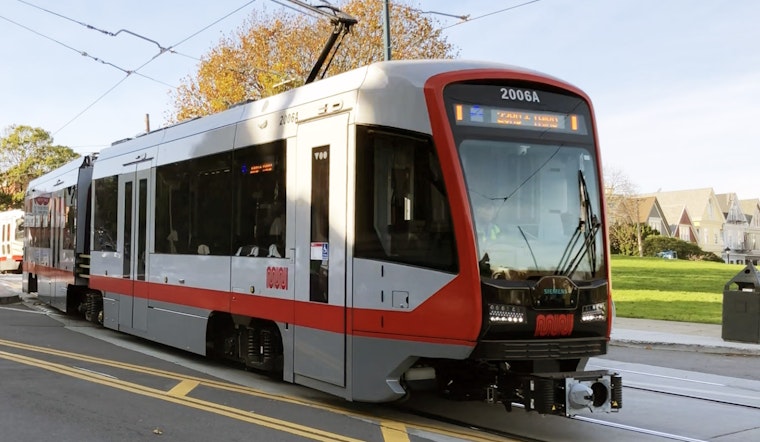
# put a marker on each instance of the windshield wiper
(530, 249)
(585, 233)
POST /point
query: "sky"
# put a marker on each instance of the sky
(675, 84)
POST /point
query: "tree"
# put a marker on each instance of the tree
(625, 237)
(26, 153)
(270, 54)
(623, 211)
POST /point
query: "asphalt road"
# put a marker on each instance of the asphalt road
(65, 385)
(66, 379)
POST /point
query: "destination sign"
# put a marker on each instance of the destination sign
(489, 116)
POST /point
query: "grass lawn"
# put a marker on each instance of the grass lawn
(670, 289)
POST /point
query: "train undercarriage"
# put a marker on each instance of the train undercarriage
(256, 343)
(566, 390)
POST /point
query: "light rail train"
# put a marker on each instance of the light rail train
(11, 240)
(404, 224)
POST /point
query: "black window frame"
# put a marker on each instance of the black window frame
(419, 230)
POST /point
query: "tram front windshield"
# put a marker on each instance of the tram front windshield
(528, 206)
(533, 192)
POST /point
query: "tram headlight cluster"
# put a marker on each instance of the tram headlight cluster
(594, 312)
(506, 314)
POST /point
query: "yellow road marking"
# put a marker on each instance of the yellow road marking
(183, 388)
(162, 373)
(394, 431)
(462, 434)
(234, 413)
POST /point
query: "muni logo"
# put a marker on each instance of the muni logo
(277, 278)
(554, 325)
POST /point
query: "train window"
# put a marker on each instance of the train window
(40, 211)
(193, 206)
(20, 229)
(142, 223)
(402, 211)
(69, 217)
(320, 222)
(105, 214)
(127, 229)
(259, 201)
(29, 226)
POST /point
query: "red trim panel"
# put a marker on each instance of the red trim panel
(280, 310)
(111, 284)
(416, 325)
(321, 316)
(50, 272)
(452, 313)
(190, 296)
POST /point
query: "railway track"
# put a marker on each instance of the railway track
(672, 405)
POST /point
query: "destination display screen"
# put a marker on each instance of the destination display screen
(489, 116)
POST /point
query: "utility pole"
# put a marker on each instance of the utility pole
(387, 29)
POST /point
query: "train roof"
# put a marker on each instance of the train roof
(62, 177)
(387, 83)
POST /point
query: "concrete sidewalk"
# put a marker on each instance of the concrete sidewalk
(673, 335)
(8, 295)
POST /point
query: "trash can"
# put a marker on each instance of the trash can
(741, 307)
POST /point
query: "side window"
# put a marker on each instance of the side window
(402, 212)
(20, 229)
(194, 205)
(105, 213)
(69, 217)
(259, 201)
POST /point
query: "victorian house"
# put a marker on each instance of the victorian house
(702, 209)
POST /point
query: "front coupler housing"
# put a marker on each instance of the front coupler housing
(565, 393)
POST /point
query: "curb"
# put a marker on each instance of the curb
(9, 299)
(709, 349)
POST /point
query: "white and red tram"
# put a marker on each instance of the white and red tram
(402, 220)
(11, 240)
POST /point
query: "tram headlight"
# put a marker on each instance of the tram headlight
(506, 314)
(594, 312)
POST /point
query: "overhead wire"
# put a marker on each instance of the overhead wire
(162, 50)
(171, 49)
(91, 105)
(300, 11)
(212, 24)
(468, 20)
(84, 53)
(464, 18)
(88, 26)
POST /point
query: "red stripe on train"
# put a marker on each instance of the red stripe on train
(48, 272)
(413, 325)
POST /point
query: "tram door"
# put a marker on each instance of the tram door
(133, 199)
(320, 287)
